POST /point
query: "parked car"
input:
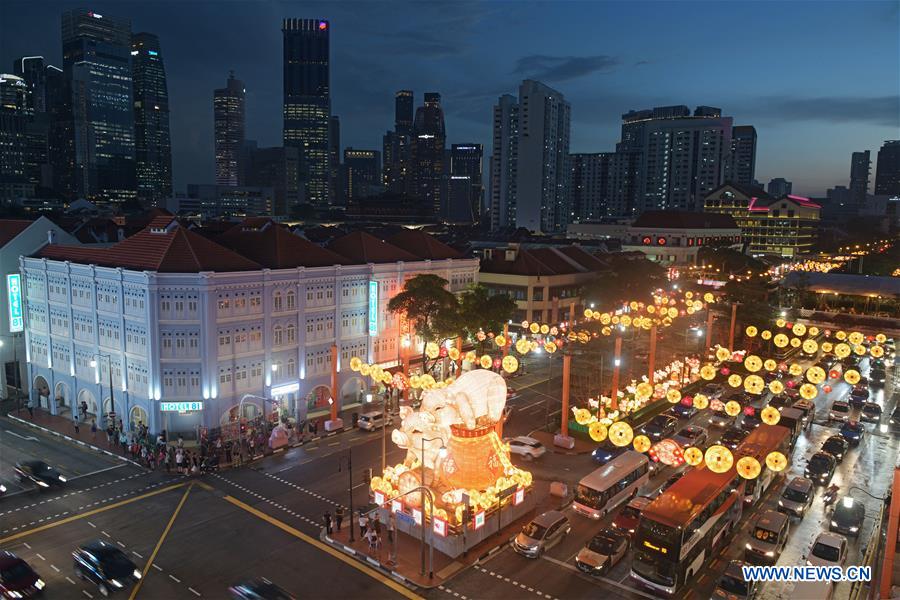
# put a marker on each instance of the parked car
(733, 586)
(39, 473)
(682, 411)
(870, 412)
(659, 427)
(839, 411)
(692, 435)
(859, 394)
(526, 447)
(768, 538)
(603, 551)
(713, 390)
(848, 517)
(836, 446)
(606, 451)
(797, 496)
(543, 532)
(105, 566)
(627, 519)
(17, 578)
(828, 550)
(820, 468)
(853, 432)
(259, 588)
(719, 418)
(733, 436)
(370, 421)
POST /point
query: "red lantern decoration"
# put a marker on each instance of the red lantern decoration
(826, 389)
(749, 411)
(782, 366)
(834, 374)
(497, 363)
(687, 401)
(725, 371)
(789, 325)
(443, 352)
(792, 384)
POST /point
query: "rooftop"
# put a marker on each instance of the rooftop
(362, 247)
(678, 219)
(273, 246)
(10, 228)
(533, 262)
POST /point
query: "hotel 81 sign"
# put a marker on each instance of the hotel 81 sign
(373, 308)
(14, 299)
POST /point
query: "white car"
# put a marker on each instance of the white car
(371, 421)
(692, 435)
(526, 447)
(828, 550)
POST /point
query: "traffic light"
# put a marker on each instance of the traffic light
(367, 475)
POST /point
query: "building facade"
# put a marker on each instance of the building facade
(277, 168)
(191, 332)
(779, 187)
(362, 173)
(23, 140)
(786, 226)
(741, 165)
(463, 193)
(427, 148)
(229, 129)
(396, 145)
(674, 238)
(590, 185)
(504, 163)
(153, 146)
(307, 102)
(213, 201)
(860, 168)
(887, 173)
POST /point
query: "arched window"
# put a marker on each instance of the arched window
(276, 301)
(291, 333)
(291, 367)
(277, 338)
(291, 300)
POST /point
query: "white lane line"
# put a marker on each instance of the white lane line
(173, 578)
(119, 466)
(157, 567)
(106, 534)
(195, 592)
(604, 579)
(120, 543)
(89, 523)
(69, 579)
(87, 593)
(26, 545)
(39, 556)
(136, 554)
(54, 568)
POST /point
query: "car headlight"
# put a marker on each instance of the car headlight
(780, 503)
(116, 583)
(834, 524)
(136, 574)
(43, 483)
(854, 529)
(13, 594)
(770, 553)
(748, 546)
(61, 478)
(39, 584)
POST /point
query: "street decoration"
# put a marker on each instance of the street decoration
(753, 363)
(621, 434)
(770, 415)
(852, 376)
(673, 396)
(641, 443)
(776, 386)
(718, 458)
(754, 384)
(667, 452)
(748, 467)
(732, 408)
(700, 402)
(693, 456)
(598, 431)
(776, 461)
(815, 374)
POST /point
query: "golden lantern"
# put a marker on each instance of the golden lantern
(780, 323)
(689, 295)
(550, 347)
(375, 372)
(471, 356)
(732, 408)
(776, 461)
(582, 416)
(799, 329)
(597, 431)
(432, 350)
(700, 401)
(426, 381)
(709, 298)
(796, 342)
(523, 346)
(781, 340)
(633, 304)
(880, 338)
(813, 331)
(851, 376)
(808, 391)
(485, 361)
(770, 365)
(673, 395)
(510, 364)
(842, 350)
(588, 313)
(718, 458)
(816, 375)
(776, 387)
(641, 443)
(355, 363)
(796, 369)
(754, 384)
(841, 335)
(751, 331)
(365, 369)
(673, 312)
(693, 456)
(810, 346)
(734, 380)
(606, 331)
(770, 415)
(453, 353)
(877, 351)
(621, 434)
(545, 329)
(643, 390)
(860, 350)
(856, 338)
(524, 324)
(596, 315)
(698, 305)
(753, 363)
(827, 347)
(651, 309)
(625, 320)
(414, 382)
(708, 372)
(723, 354)
(500, 340)
(748, 467)
(534, 327)
(766, 334)
(605, 319)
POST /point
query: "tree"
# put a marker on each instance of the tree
(628, 279)
(435, 310)
(480, 310)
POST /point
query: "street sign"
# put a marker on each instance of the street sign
(373, 308)
(180, 406)
(379, 498)
(14, 299)
(508, 491)
(479, 520)
(405, 518)
(397, 506)
(520, 496)
(440, 527)
(417, 516)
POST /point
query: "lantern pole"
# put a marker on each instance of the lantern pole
(617, 362)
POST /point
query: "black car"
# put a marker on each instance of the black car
(258, 589)
(851, 361)
(751, 421)
(104, 565)
(733, 436)
(848, 516)
(659, 427)
(858, 395)
(17, 578)
(603, 551)
(781, 401)
(39, 473)
(606, 451)
(683, 411)
(820, 468)
(878, 375)
(871, 412)
(836, 446)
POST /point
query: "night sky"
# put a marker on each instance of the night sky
(817, 79)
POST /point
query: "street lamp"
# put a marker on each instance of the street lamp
(442, 454)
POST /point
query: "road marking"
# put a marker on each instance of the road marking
(601, 578)
(89, 513)
(38, 554)
(29, 438)
(26, 545)
(195, 592)
(87, 593)
(325, 548)
(157, 567)
(159, 543)
(333, 443)
(173, 578)
(69, 579)
(54, 567)
(119, 466)
(136, 554)
(106, 534)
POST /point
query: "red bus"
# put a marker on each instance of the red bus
(763, 440)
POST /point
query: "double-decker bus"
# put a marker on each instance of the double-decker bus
(763, 440)
(615, 482)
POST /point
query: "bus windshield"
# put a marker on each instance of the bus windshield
(588, 496)
(650, 565)
(656, 536)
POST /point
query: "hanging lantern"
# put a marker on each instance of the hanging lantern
(860, 350)
(724, 370)
(781, 340)
(770, 365)
(485, 361)
(700, 402)
(749, 411)
(796, 369)
(673, 395)
(842, 350)
(693, 456)
(723, 354)
(841, 335)
(443, 352)
(641, 443)
(791, 384)
(673, 312)
(753, 363)
(796, 342)
(497, 363)
(880, 338)
(852, 376)
(365, 369)
(545, 329)
(732, 408)
(776, 461)
(718, 458)
(826, 388)
(876, 351)
(510, 363)
(588, 313)
(686, 401)
(524, 324)
(856, 338)
(598, 431)
(734, 380)
(748, 467)
(355, 363)
(813, 331)
(432, 350)
(643, 390)
(708, 372)
(500, 340)
(754, 384)
(582, 416)
(523, 346)
(414, 382)
(426, 381)
(534, 327)
(770, 415)
(815, 374)
(471, 356)
(827, 347)
(453, 353)
(810, 346)
(554, 330)
(669, 453)
(709, 298)
(776, 387)
(766, 334)
(751, 331)
(550, 347)
(799, 329)
(621, 434)
(834, 374)
(808, 391)
(779, 323)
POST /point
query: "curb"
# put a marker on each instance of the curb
(73, 440)
(289, 446)
(368, 560)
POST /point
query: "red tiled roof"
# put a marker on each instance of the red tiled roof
(555, 261)
(10, 228)
(680, 219)
(534, 262)
(273, 246)
(163, 246)
(584, 258)
(422, 245)
(362, 247)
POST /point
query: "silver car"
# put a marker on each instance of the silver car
(797, 497)
(544, 532)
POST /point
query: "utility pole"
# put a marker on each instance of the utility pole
(349, 459)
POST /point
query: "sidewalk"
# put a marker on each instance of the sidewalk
(62, 427)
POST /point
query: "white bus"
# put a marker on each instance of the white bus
(612, 484)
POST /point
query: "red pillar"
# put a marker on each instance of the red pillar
(617, 359)
(731, 329)
(460, 359)
(567, 368)
(572, 315)
(334, 382)
(709, 326)
(652, 354)
(554, 311)
(506, 337)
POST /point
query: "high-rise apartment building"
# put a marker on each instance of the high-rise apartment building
(504, 163)
(887, 173)
(741, 165)
(362, 173)
(779, 187)
(463, 194)
(307, 102)
(151, 120)
(277, 168)
(427, 152)
(230, 119)
(97, 66)
(396, 145)
(860, 167)
(589, 185)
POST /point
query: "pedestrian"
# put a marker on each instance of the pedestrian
(94, 429)
(228, 453)
(109, 434)
(83, 409)
(339, 516)
(372, 537)
(180, 443)
(391, 531)
(327, 518)
(179, 459)
(30, 406)
(252, 448)
(123, 440)
(363, 523)
(75, 422)
(144, 453)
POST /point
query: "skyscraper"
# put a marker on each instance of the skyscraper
(307, 101)
(504, 163)
(362, 173)
(97, 65)
(277, 168)
(228, 112)
(153, 148)
(779, 187)
(860, 167)
(396, 145)
(335, 187)
(589, 186)
(60, 137)
(542, 186)
(23, 139)
(463, 194)
(741, 166)
(427, 151)
(32, 70)
(887, 173)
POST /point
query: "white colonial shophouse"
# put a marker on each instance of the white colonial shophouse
(190, 326)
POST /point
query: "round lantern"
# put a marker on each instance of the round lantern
(497, 363)
(443, 352)
(815, 374)
(855, 338)
(781, 340)
(453, 353)
(842, 350)
(732, 408)
(753, 363)
(860, 350)
(748, 467)
(471, 356)
(673, 312)
(553, 330)
(426, 381)
(700, 402)
(799, 329)
(673, 395)
(708, 372)
(545, 329)
(770, 415)
(355, 363)
(796, 342)
(718, 458)
(796, 369)
(770, 365)
(365, 369)
(523, 346)
(605, 319)
(500, 340)
(693, 456)
(643, 390)
(588, 313)
(485, 361)
(813, 331)
(834, 374)
(779, 323)
(625, 320)
(387, 378)
(810, 346)
(751, 331)
(734, 380)
(582, 416)
(776, 461)
(687, 401)
(754, 384)
(852, 376)
(432, 350)
(749, 411)
(827, 347)
(708, 297)
(597, 431)
(510, 364)
(880, 338)
(723, 354)
(776, 387)
(841, 335)
(414, 382)
(766, 334)
(641, 443)
(550, 347)
(621, 433)
(808, 391)
(826, 388)
(534, 327)
(876, 351)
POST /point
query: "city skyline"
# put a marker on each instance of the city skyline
(807, 121)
